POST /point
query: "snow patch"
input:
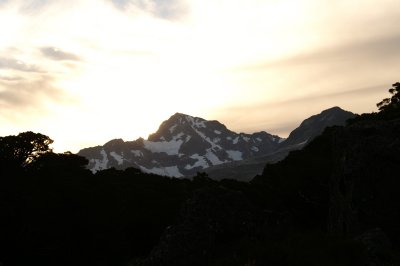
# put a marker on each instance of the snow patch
(281, 140)
(137, 153)
(301, 143)
(171, 129)
(236, 140)
(117, 157)
(235, 155)
(196, 122)
(259, 139)
(254, 148)
(100, 164)
(201, 162)
(178, 136)
(246, 139)
(216, 140)
(171, 171)
(213, 158)
(202, 135)
(217, 132)
(169, 147)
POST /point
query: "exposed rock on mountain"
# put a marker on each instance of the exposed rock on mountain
(309, 129)
(314, 126)
(182, 146)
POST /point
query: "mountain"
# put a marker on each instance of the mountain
(182, 146)
(309, 129)
(314, 126)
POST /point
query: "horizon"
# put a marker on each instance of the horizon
(238, 132)
(84, 73)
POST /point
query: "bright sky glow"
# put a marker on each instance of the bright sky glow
(85, 72)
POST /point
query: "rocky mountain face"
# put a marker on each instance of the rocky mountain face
(338, 194)
(314, 126)
(182, 146)
(310, 128)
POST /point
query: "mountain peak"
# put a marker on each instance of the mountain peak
(182, 145)
(182, 119)
(314, 125)
(178, 115)
(334, 108)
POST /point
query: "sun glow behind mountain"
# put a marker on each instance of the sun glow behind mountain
(84, 72)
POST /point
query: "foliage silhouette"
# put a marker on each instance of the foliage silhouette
(23, 148)
(393, 102)
(53, 211)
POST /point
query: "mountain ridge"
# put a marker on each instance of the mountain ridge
(308, 129)
(184, 145)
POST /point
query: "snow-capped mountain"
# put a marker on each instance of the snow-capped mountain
(182, 146)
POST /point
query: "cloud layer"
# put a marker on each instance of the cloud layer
(84, 72)
(57, 54)
(165, 9)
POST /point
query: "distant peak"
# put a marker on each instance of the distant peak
(179, 115)
(186, 117)
(114, 142)
(335, 108)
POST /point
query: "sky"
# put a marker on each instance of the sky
(86, 72)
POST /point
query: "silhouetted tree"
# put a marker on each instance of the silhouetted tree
(23, 148)
(393, 102)
(66, 161)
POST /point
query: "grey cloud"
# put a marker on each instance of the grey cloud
(293, 108)
(57, 54)
(165, 9)
(14, 64)
(2, 2)
(25, 99)
(303, 100)
(372, 51)
(331, 95)
(10, 78)
(354, 76)
(171, 9)
(29, 7)
(24, 92)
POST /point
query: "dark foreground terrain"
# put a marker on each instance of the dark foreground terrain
(335, 202)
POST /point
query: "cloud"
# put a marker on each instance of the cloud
(377, 49)
(308, 99)
(57, 54)
(165, 9)
(27, 7)
(14, 64)
(10, 78)
(24, 99)
(23, 93)
(295, 109)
